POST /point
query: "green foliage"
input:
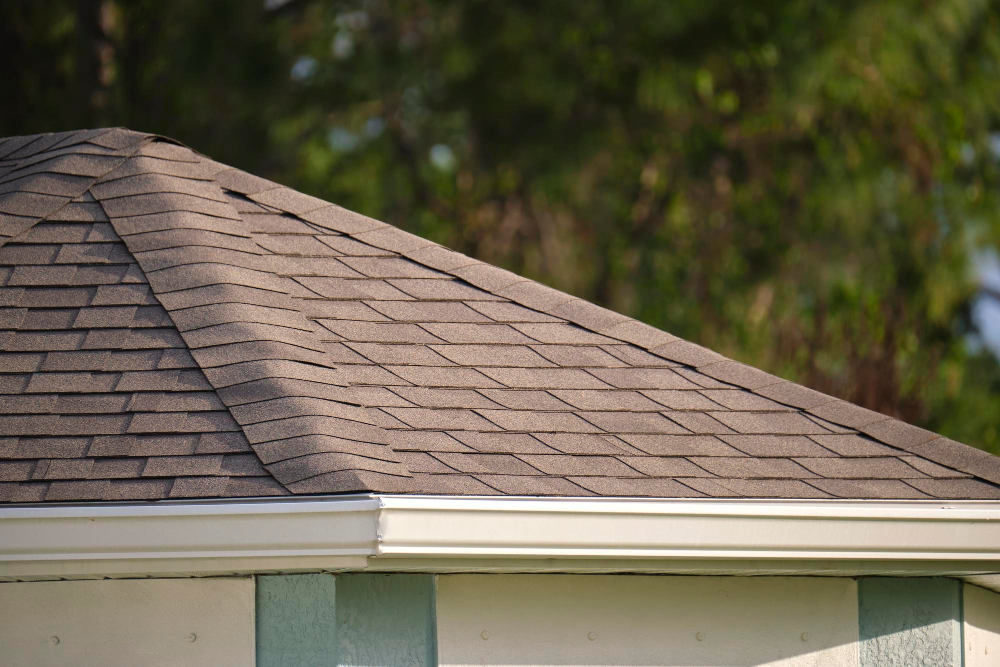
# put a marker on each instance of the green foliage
(800, 185)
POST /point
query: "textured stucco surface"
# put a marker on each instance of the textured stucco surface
(386, 620)
(909, 622)
(296, 620)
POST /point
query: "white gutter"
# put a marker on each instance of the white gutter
(197, 537)
(424, 533)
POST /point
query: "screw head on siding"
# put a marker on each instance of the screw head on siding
(804, 636)
(485, 635)
(700, 636)
(591, 636)
(192, 637)
(53, 640)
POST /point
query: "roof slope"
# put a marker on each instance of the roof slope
(172, 327)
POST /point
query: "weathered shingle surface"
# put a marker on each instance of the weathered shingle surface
(171, 327)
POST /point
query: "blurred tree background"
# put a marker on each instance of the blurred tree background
(806, 186)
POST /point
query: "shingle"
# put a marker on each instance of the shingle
(655, 466)
(699, 423)
(745, 467)
(441, 290)
(427, 311)
(123, 468)
(658, 488)
(301, 468)
(642, 378)
(139, 489)
(776, 445)
(430, 441)
(564, 464)
(89, 383)
(391, 354)
(770, 488)
(633, 422)
(78, 490)
(389, 267)
(583, 443)
(862, 488)
(174, 466)
(498, 464)
(349, 288)
(680, 399)
(222, 443)
(449, 419)
(380, 332)
(545, 378)
(525, 399)
(578, 355)
(253, 487)
(528, 485)
(50, 448)
(14, 471)
(506, 443)
(198, 487)
(863, 468)
(291, 448)
(481, 334)
(591, 399)
(743, 401)
(971, 489)
(452, 485)
(932, 469)
(419, 462)
(444, 398)
(560, 333)
(510, 312)
(428, 376)
(853, 445)
(492, 355)
(681, 445)
(538, 422)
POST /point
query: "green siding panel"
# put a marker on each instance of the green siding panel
(386, 620)
(296, 621)
(909, 622)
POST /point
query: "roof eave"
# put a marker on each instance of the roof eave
(509, 534)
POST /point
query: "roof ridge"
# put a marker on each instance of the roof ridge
(272, 342)
(550, 301)
(45, 190)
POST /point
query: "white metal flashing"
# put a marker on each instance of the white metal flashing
(425, 533)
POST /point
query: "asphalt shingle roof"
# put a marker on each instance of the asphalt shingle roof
(172, 327)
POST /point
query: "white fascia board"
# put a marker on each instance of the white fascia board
(190, 537)
(443, 527)
(448, 534)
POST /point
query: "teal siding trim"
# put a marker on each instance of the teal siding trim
(296, 621)
(909, 622)
(386, 620)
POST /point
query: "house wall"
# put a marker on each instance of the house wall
(421, 620)
(107, 623)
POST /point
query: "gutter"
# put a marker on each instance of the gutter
(509, 534)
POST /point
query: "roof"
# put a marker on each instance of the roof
(171, 327)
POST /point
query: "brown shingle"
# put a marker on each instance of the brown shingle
(325, 352)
